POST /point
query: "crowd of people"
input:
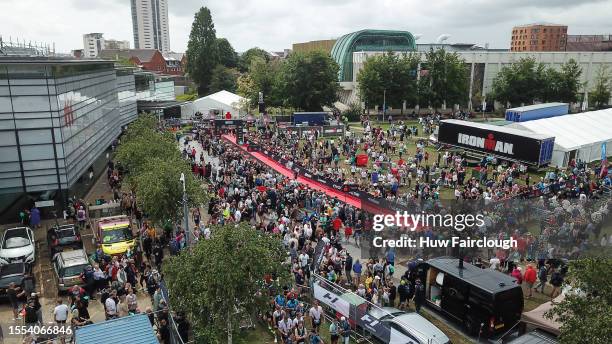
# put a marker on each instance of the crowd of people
(247, 190)
(402, 168)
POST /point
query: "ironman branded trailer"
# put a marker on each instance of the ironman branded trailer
(506, 143)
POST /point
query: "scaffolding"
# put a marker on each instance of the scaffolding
(22, 48)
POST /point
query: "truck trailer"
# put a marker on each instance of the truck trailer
(505, 143)
(312, 118)
(538, 111)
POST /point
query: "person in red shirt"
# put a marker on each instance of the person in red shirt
(337, 223)
(530, 279)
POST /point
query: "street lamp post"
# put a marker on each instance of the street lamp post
(185, 213)
(384, 104)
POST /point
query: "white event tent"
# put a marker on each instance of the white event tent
(221, 102)
(578, 136)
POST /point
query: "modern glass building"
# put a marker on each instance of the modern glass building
(368, 40)
(58, 118)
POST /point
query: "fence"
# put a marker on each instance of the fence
(368, 320)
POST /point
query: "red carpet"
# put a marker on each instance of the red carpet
(342, 196)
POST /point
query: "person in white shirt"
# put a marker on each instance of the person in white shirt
(316, 312)
(110, 305)
(494, 263)
(60, 313)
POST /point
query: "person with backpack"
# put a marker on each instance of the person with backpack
(556, 279)
(403, 291)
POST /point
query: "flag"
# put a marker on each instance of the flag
(604, 161)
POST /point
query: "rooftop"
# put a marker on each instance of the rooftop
(129, 329)
(540, 24)
(486, 279)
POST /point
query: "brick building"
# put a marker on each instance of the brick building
(539, 37)
(148, 59)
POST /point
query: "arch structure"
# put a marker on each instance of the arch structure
(368, 40)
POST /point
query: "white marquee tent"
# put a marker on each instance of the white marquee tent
(222, 101)
(578, 136)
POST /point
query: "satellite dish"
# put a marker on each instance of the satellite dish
(443, 37)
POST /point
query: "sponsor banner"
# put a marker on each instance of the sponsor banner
(332, 300)
(489, 141)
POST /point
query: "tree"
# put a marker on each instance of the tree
(263, 76)
(585, 315)
(569, 82)
(390, 74)
(247, 58)
(223, 78)
(154, 165)
(227, 54)
(202, 54)
(446, 81)
(600, 94)
(212, 289)
(159, 191)
(309, 81)
(522, 82)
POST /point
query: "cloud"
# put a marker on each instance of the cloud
(276, 24)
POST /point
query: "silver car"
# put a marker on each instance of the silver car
(68, 266)
(403, 328)
(17, 245)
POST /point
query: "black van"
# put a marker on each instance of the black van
(480, 299)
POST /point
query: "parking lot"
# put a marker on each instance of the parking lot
(45, 276)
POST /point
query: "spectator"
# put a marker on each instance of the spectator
(419, 295)
(530, 279)
(14, 293)
(60, 312)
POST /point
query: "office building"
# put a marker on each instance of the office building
(93, 43)
(150, 24)
(539, 37)
(58, 119)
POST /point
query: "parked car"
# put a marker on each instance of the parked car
(18, 273)
(482, 299)
(17, 245)
(403, 328)
(68, 266)
(534, 337)
(60, 237)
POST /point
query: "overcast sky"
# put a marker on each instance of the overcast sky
(276, 24)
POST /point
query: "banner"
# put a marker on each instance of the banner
(498, 142)
(332, 300)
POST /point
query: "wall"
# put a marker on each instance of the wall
(55, 122)
(126, 94)
(493, 61)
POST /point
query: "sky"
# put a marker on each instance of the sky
(276, 24)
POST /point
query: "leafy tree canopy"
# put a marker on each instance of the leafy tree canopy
(223, 78)
(202, 52)
(247, 58)
(600, 93)
(227, 54)
(309, 81)
(391, 75)
(585, 316)
(213, 289)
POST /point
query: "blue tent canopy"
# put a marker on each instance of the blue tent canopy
(130, 329)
